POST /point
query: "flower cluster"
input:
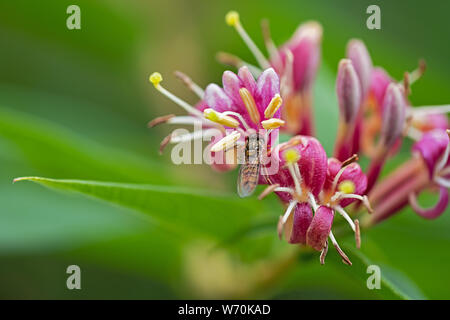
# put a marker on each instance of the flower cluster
(375, 116)
(229, 114)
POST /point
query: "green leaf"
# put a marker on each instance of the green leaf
(51, 149)
(184, 210)
(394, 284)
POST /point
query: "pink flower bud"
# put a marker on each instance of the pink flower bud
(348, 90)
(394, 108)
(360, 57)
(380, 80)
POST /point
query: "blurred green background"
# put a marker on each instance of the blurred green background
(74, 104)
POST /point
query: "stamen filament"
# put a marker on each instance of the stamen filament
(417, 74)
(287, 79)
(185, 120)
(346, 216)
(234, 61)
(414, 133)
(237, 115)
(357, 234)
(337, 177)
(350, 160)
(164, 143)
(159, 120)
(344, 257)
(323, 253)
(289, 209)
(232, 19)
(430, 110)
(285, 189)
(443, 182)
(363, 199)
(297, 172)
(312, 201)
(291, 169)
(156, 78)
(200, 134)
(190, 84)
(445, 172)
(271, 188)
(270, 45)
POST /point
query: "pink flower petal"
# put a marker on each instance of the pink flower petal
(268, 85)
(302, 219)
(247, 79)
(217, 99)
(305, 48)
(231, 85)
(352, 172)
(434, 212)
(431, 148)
(320, 228)
(312, 166)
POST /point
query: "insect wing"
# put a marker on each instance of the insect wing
(248, 179)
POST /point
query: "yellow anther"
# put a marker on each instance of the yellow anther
(211, 114)
(273, 106)
(155, 78)
(291, 156)
(347, 187)
(226, 142)
(250, 105)
(273, 123)
(232, 18)
(217, 117)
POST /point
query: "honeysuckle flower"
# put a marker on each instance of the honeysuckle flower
(242, 106)
(296, 62)
(313, 189)
(418, 119)
(344, 184)
(428, 168)
(301, 175)
(434, 149)
(375, 116)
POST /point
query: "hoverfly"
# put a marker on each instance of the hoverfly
(249, 171)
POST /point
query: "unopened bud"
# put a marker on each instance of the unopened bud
(348, 90)
(393, 114)
(360, 57)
